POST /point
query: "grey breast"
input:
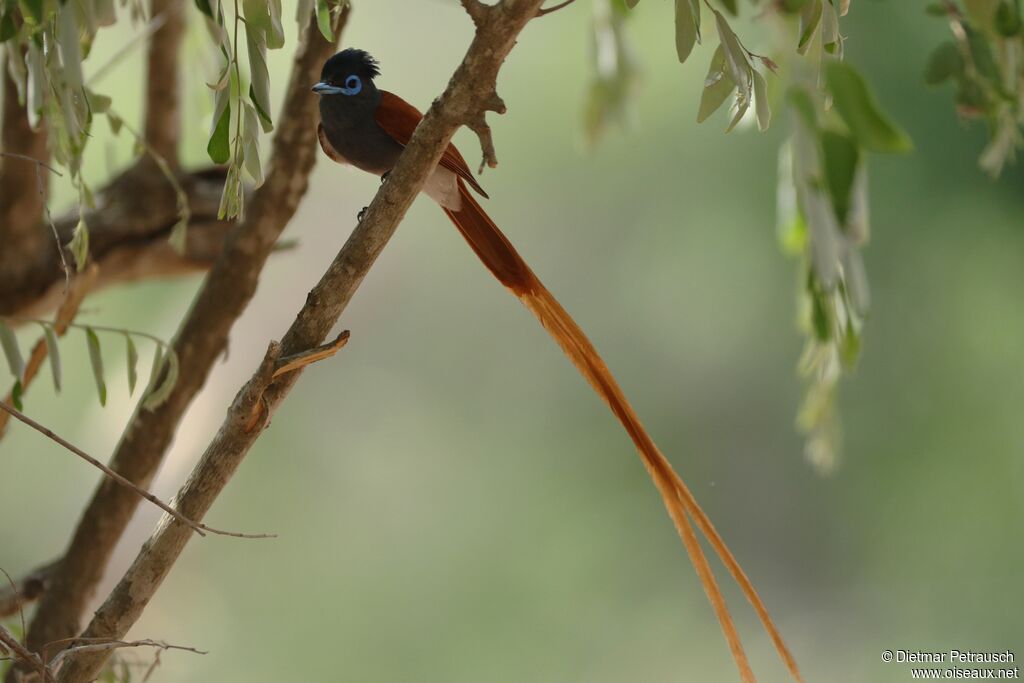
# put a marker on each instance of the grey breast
(355, 134)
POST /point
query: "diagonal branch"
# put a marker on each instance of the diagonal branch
(461, 100)
(202, 338)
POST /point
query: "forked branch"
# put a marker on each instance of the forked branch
(466, 94)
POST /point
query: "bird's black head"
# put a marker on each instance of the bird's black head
(349, 73)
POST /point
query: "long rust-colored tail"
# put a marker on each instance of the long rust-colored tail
(501, 258)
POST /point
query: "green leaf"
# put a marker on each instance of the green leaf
(831, 39)
(251, 145)
(810, 17)
(98, 104)
(12, 352)
(735, 59)
(168, 366)
(132, 355)
(841, 156)
(632, 3)
(717, 86)
(53, 353)
(8, 29)
(323, 19)
(856, 282)
(821, 312)
(155, 367)
(687, 27)
(793, 6)
(944, 63)
(730, 6)
(70, 47)
(259, 87)
(32, 9)
(96, 361)
(219, 147)
(265, 16)
(79, 244)
(764, 111)
(741, 108)
(1008, 22)
(205, 8)
(981, 54)
(16, 391)
(857, 106)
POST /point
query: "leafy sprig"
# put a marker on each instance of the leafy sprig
(163, 373)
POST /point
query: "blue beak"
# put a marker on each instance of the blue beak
(325, 89)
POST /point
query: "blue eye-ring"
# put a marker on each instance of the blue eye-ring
(353, 84)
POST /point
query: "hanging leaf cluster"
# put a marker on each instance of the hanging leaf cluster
(985, 63)
(242, 111)
(822, 194)
(823, 218)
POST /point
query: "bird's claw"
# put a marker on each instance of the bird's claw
(384, 177)
(362, 212)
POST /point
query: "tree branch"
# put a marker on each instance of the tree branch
(162, 119)
(108, 645)
(466, 93)
(202, 338)
(22, 190)
(128, 233)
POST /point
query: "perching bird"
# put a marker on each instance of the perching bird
(368, 128)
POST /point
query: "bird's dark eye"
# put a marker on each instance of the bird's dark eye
(353, 84)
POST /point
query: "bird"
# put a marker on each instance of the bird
(367, 127)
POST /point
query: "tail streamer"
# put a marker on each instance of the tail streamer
(505, 263)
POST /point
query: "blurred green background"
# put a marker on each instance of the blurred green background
(454, 504)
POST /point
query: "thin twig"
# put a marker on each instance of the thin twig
(554, 8)
(198, 527)
(37, 162)
(101, 645)
(304, 358)
(23, 654)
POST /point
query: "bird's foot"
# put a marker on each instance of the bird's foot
(384, 177)
(362, 212)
